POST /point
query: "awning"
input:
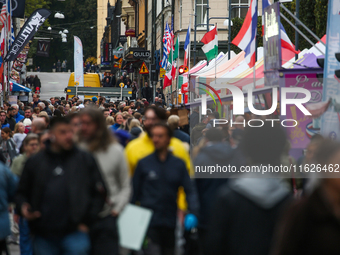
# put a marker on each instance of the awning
(16, 87)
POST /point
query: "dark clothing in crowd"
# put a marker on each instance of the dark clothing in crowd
(11, 122)
(66, 188)
(37, 83)
(207, 188)
(155, 186)
(196, 133)
(160, 95)
(107, 84)
(147, 93)
(113, 81)
(194, 119)
(309, 227)
(105, 230)
(35, 104)
(48, 110)
(119, 82)
(181, 135)
(134, 92)
(245, 215)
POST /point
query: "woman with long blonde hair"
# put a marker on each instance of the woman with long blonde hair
(19, 135)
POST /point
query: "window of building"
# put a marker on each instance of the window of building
(201, 10)
(239, 12)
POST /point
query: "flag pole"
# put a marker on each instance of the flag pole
(5, 53)
(188, 88)
(216, 53)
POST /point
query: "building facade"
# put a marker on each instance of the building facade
(138, 27)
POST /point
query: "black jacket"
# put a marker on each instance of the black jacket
(48, 110)
(37, 83)
(147, 93)
(194, 119)
(85, 189)
(155, 186)
(245, 216)
(11, 122)
(207, 188)
(181, 135)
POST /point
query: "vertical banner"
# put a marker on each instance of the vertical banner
(27, 32)
(78, 63)
(272, 44)
(331, 87)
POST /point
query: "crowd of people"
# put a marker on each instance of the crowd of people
(69, 167)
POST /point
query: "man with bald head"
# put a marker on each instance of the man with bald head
(38, 125)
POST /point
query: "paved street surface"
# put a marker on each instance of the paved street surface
(52, 84)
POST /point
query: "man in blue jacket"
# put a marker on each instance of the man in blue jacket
(155, 185)
(8, 182)
(18, 117)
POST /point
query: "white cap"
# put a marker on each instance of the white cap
(27, 122)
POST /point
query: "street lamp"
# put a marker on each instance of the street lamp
(49, 28)
(226, 23)
(59, 16)
(65, 31)
(64, 40)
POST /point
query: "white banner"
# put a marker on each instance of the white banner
(78, 63)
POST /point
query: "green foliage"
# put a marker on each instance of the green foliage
(32, 5)
(92, 60)
(80, 16)
(237, 25)
(313, 13)
(320, 13)
(289, 29)
(307, 17)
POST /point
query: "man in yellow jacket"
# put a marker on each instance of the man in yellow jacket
(143, 146)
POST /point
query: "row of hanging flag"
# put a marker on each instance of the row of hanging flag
(7, 29)
(245, 40)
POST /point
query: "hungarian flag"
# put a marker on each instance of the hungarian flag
(210, 47)
(171, 69)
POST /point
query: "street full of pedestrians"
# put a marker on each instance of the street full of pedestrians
(70, 167)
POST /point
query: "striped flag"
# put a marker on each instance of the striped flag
(187, 46)
(172, 35)
(171, 68)
(3, 14)
(246, 38)
(166, 46)
(210, 47)
(10, 29)
(285, 41)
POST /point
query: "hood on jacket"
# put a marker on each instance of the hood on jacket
(264, 192)
(216, 153)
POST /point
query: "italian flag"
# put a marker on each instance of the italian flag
(171, 69)
(210, 47)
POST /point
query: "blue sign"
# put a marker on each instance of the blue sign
(331, 86)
